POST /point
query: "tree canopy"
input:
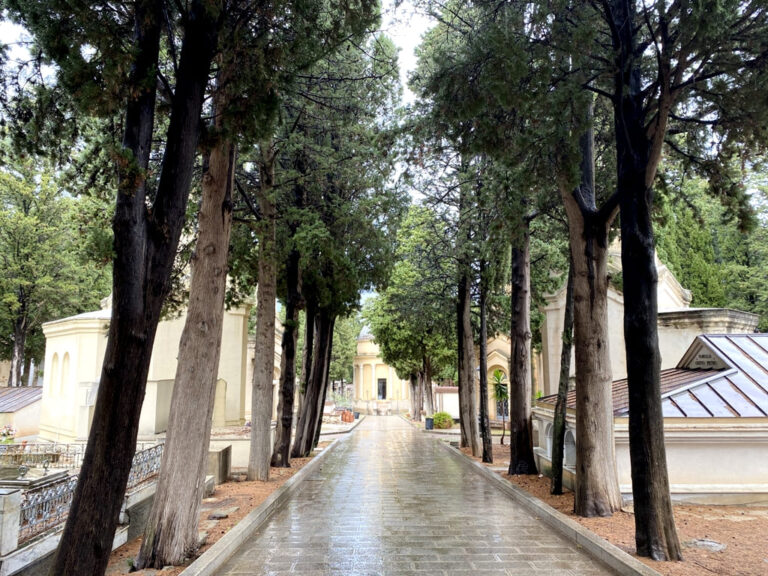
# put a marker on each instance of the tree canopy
(47, 272)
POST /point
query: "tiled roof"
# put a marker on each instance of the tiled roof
(671, 379)
(720, 376)
(13, 399)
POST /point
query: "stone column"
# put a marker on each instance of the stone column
(10, 513)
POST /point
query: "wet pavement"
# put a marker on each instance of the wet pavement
(389, 501)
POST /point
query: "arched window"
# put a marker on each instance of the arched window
(548, 439)
(64, 379)
(53, 379)
(570, 449)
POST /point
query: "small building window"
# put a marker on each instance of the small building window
(548, 439)
(570, 449)
(53, 380)
(64, 377)
(382, 388)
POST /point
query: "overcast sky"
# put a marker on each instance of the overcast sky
(405, 26)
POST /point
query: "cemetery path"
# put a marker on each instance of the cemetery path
(389, 501)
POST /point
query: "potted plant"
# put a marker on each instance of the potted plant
(7, 434)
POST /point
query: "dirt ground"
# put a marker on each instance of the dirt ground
(743, 530)
(235, 498)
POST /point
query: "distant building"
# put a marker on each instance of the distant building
(377, 387)
(20, 409)
(74, 355)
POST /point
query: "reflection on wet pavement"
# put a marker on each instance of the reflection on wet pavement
(389, 501)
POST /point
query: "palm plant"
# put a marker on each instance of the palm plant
(501, 394)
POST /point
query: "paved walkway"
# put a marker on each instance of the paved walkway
(389, 501)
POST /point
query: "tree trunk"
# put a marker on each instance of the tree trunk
(420, 393)
(655, 532)
(30, 372)
(485, 421)
(558, 428)
(326, 372)
(280, 454)
(310, 318)
(597, 488)
(26, 377)
(470, 433)
(17, 355)
(307, 424)
(429, 398)
(520, 437)
(145, 247)
(266, 296)
(171, 534)
(415, 411)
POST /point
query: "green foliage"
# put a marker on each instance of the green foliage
(47, 269)
(345, 333)
(685, 244)
(413, 319)
(500, 388)
(333, 189)
(708, 251)
(442, 420)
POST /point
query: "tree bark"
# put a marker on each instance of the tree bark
(26, 374)
(558, 428)
(470, 433)
(325, 384)
(310, 317)
(281, 451)
(419, 394)
(485, 421)
(428, 396)
(145, 247)
(415, 411)
(266, 296)
(311, 409)
(597, 487)
(17, 355)
(637, 160)
(520, 436)
(171, 534)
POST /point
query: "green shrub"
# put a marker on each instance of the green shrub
(442, 420)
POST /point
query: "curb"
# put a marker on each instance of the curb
(222, 550)
(347, 431)
(444, 433)
(604, 551)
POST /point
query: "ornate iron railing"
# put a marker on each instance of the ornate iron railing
(146, 465)
(63, 456)
(45, 507)
(48, 506)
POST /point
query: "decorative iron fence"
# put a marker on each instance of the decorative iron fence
(45, 507)
(63, 456)
(48, 506)
(146, 465)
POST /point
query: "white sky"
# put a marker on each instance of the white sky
(11, 35)
(405, 26)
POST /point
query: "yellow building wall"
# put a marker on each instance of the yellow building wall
(75, 349)
(367, 369)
